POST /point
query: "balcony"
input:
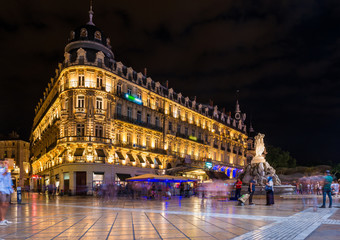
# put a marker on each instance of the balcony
(187, 137)
(137, 122)
(85, 139)
(142, 148)
(99, 114)
(64, 114)
(80, 112)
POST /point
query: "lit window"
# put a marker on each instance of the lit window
(156, 143)
(129, 112)
(81, 80)
(128, 137)
(119, 109)
(147, 141)
(178, 128)
(72, 35)
(139, 116)
(80, 130)
(97, 35)
(138, 140)
(129, 91)
(99, 103)
(80, 102)
(119, 88)
(99, 81)
(99, 131)
(139, 95)
(83, 32)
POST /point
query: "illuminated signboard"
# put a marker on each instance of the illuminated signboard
(208, 165)
(133, 99)
(193, 138)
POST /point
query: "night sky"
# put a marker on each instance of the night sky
(283, 57)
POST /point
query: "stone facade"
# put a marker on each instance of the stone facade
(99, 116)
(18, 150)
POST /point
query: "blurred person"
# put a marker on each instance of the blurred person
(317, 188)
(6, 189)
(326, 190)
(251, 190)
(238, 186)
(269, 191)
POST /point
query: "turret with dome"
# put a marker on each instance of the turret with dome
(92, 39)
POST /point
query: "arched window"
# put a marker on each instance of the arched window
(72, 35)
(97, 35)
(83, 32)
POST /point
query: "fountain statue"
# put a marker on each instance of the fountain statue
(259, 168)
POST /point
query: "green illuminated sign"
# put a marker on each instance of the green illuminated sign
(193, 138)
(133, 99)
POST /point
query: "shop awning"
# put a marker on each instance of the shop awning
(79, 152)
(141, 159)
(62, 153)
(123, 176)
(100, 152)
(149, 160)
(132, 159)
(158, 161)
(120, 155)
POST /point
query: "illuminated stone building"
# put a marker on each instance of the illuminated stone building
(99, 120)
(12, 147)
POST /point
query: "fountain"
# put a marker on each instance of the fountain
(260, 170)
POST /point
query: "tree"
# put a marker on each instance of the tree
(279, 158)
(336, 170)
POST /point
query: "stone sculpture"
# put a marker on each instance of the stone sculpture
(259, 168)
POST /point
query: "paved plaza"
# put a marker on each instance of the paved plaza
(123, 218)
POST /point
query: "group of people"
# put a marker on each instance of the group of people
(269, 187)
(324, 185)
(137, 190)
(314, 185)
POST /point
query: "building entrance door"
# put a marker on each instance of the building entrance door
(81, 188)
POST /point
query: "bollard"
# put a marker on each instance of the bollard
(19, 195)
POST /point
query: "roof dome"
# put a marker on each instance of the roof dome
(89, 32)
(89, 37)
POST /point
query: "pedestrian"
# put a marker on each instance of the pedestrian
(269, 191)
(326, 190)
(238, 186)
(317, 188)
(251, 191)
(6, 188)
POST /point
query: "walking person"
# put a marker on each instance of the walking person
(251, 191)
(6, 188)
(326, 190)
(238, 186)
(269, 191)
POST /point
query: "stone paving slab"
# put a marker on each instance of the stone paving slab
(91, 218)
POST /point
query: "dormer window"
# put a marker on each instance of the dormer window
(97, 35)
(108, 42)
(83, 32)
(72, 35)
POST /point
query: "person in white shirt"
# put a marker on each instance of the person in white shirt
(6, 188)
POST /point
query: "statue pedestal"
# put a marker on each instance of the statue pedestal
(258, 159)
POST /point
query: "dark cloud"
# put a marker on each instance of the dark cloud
(283, 56)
